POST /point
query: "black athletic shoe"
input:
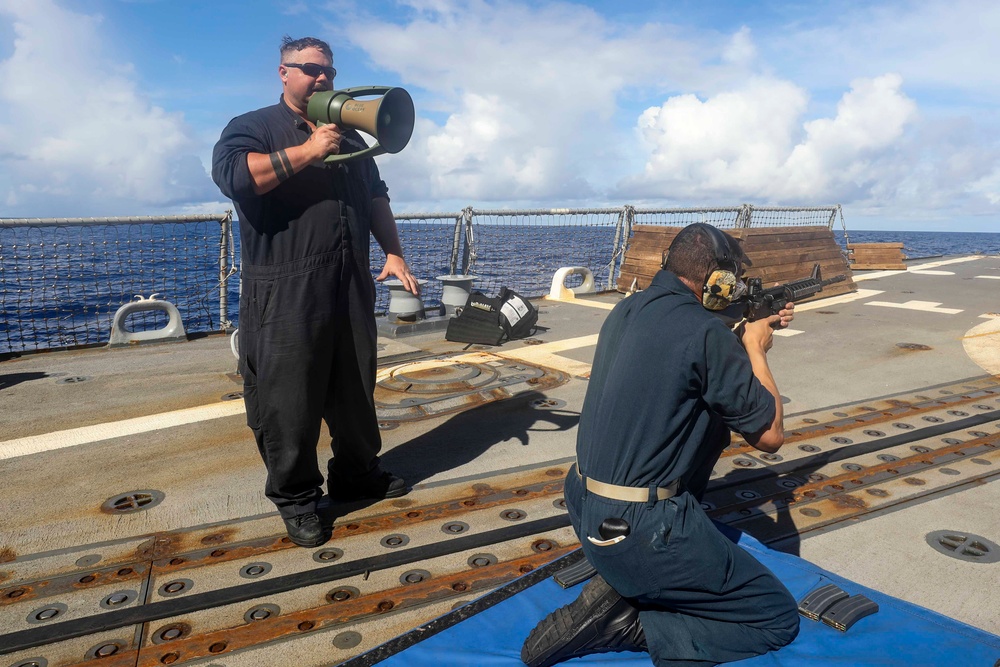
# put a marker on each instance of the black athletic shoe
(599, 621)
(306, 530)
(376, 486)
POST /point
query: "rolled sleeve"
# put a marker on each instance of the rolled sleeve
(377, 186)
(230, 169)
(731, 389)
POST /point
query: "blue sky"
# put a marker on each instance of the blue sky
(111, 107)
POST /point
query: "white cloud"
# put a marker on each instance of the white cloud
(753, 144)
(79, 136)
(530, 95)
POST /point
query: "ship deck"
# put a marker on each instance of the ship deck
(135, 530)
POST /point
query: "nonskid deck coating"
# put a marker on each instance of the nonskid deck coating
(846, 363)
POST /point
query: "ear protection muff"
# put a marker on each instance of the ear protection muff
(722, 284)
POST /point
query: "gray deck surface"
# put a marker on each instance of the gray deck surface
(161, 418)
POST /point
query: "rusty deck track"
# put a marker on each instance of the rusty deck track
(235, 590)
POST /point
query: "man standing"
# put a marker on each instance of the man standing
(669, 383)
(307, 323)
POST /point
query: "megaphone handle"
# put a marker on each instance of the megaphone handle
(371, 151)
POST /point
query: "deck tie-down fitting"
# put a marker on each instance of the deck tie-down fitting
(173, 331)
(559, 292)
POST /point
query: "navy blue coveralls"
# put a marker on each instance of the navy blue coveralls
(307, 308)
(668, 383)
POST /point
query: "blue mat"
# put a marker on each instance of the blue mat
(900, 633)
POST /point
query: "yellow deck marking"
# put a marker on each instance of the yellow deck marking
(980, 335)
(924, 306)
(546, 355)
(47, 442)
(582, 302)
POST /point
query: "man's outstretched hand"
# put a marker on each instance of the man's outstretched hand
(397, 267)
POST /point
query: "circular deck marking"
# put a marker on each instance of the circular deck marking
(964, 546)
(980, 344)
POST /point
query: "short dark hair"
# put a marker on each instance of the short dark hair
(288, 45)
(692, 254)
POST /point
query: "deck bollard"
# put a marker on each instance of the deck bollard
(403, 305)
(456, 291)
(173, 331)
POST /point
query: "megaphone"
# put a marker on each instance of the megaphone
(389, 119)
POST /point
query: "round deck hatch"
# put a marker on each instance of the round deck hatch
(133, 501)
(964, 546)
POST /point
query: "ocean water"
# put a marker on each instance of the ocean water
(61, 286)
(927, 244)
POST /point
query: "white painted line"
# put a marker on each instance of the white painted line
(919, 267)
(834, 300)
(989, 277)
(583, 302)
(924, 306)
(946, 262)
(546, 355)
(858, 277)
(47, 442)
(787, 332)
(930, 272)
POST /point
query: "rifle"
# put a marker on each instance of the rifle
(760, 303)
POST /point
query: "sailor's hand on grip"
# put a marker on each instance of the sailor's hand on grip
(759, 334)
(785, 316)
(324, 141)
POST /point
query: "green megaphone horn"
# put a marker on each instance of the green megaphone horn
(389, 119)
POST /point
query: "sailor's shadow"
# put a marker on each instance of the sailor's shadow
(467, 435)
(776, 530)
(10, 379)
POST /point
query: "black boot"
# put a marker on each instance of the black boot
(599, 621)
(306, 530)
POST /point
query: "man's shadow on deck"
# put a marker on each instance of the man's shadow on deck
(777, 530)
(467, 435)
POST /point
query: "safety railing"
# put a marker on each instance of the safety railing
(61, 280)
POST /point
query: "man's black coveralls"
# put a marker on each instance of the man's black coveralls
(307, 308)
(668, 383)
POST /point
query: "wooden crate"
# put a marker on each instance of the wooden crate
(779, 254)
(876, 256)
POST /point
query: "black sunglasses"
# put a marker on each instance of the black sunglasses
(313, 70)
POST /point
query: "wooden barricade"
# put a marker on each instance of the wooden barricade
(876, 256)
(779, 255)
